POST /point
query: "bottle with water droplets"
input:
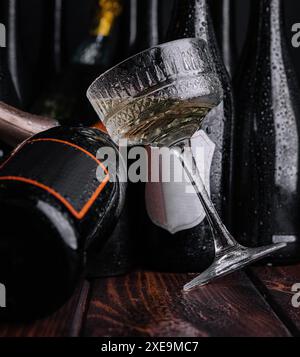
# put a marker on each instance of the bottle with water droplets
(267, 160)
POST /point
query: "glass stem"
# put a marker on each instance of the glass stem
(222, 238)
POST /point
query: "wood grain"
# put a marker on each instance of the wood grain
(65, 322)
(153, 304)
(276, 284)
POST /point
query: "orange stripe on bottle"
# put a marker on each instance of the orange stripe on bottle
(87, 206)
(100, 126)
(78, 215)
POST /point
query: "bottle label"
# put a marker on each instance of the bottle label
(64, 170)
(175, 206)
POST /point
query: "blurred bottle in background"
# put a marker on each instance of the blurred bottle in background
(98, 52)
(267, 137)
(65, 98)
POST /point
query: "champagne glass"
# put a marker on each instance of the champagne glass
(160, 97)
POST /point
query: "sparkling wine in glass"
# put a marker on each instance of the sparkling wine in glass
(160, 97)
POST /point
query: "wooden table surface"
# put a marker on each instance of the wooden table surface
(256, 302)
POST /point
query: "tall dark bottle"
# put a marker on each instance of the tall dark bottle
(267, 152)
(65, 100)
(58, 200)
(180, 238)
(224, 15)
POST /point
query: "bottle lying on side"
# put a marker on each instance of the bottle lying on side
(57, 201)
(118, 256)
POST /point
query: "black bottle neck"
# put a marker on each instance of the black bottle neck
(266, 27)
(147, 25)
(53, 54)
(191, 18)
(225, 25)
(128, 29)
(265, 44)
(59, 41)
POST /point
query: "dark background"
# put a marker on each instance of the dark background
(77, 24)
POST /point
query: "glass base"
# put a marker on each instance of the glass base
(231, 260)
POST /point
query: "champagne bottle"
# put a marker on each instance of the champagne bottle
(57, 201)
(267, 137)
(117, 256)
(180, 237)
(224, 21)
(66, 100)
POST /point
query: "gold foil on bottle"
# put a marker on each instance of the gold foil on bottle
(109, 11)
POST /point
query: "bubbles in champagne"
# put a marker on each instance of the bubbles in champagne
(151, 120)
